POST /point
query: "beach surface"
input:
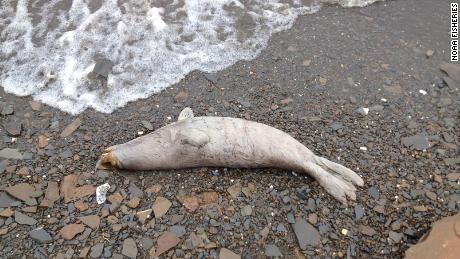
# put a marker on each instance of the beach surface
(359, 86)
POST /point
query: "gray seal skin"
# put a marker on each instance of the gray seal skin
(228, 142)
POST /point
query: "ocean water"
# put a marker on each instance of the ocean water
(50, 48)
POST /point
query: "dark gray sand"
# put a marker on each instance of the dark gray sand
(309, 82)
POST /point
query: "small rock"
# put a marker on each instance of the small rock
(287, 101)
(81, 206)
(189, 202)
(336, 126)
(165, 242)
(147, 125)
(395, 236)
(366, 230)
(103, 67)
(234, 190)
(431, 195)
(227, 254)
(51, 195)
(84, 252)
(181, 97)
(134, 202)
(10, 153)
(453, 177)
(135, 191)
(96, 250)
(379, 209)
(40, 235)
(429, 53)
(6, 213)
(24, 219)
(13, 128)
(129, 248)
(306, 62)
(68, 232)
(178, 230)
(91, 221)
(24, 171)
(359, 212)
(8, 109)
(154, 189)
(323, 80)
(36, 106)
(246, 211)
(374, 193)
(420, 208)
(20, 191)
(142, 216)
(71, 128)
(313, 218)
(306, 234)
(418, 142)
(273, 251)
(212, 77)
(43, 141)
(161, 206)
(6, 201)
(363, 111)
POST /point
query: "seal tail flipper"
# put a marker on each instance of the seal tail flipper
(341, 170)
(338, 187)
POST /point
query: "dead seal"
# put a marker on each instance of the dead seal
(227, 142)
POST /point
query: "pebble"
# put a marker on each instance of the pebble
(8, 109)
(5, 200)
(24, 219)
(134, 202)
(306, 234)
(68, 232)
(92, 221)
(418, 142)
(166, 241)
(142, 216)
(234, 190)
(40, 235)
(395, 236)
(13, 128)
(290, 218)
(178, 230)
(161, 206)
(147, 125)
(20, 191)
(359, 212)
(374, 193)
(129, 248)
(273, 251)
(96, 250)
(10, 153)
(225, 253)
(453, 177)
(336, 126)
(51, 195)
(366, 230)
(36, 106)
(246, 211)
(71, 128)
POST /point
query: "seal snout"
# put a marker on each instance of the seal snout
(108, 160)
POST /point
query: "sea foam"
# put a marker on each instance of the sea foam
(49, 48)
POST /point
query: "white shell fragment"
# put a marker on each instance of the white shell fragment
(101, 192)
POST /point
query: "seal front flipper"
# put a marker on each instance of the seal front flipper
(193, 137)
(186, 113)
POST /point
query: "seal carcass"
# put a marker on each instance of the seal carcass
(228, 142)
